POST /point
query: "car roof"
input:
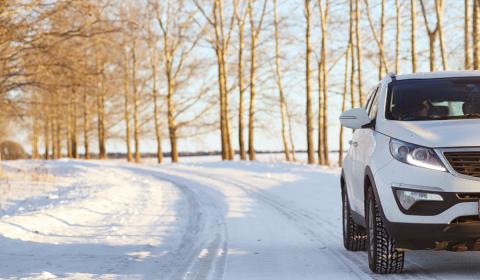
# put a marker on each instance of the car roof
(438, 74)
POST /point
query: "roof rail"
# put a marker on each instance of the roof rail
(392, 75)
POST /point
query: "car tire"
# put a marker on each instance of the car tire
(354, 236)
(383, 257)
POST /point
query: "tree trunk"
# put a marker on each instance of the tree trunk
(241, 83)
(353, 56)
(440, 9)
(136, 105)
(73, 131)
(397, 39)
(290, 134)
(86, 128)
(467, 34)
(344, 107)
(158, 131)
(324, 87)
(220, 51)
(476, 35)
(432, 35)
(283, 109)
(431, 43)
(46, 130)
(171, 120)
(382, 70)
(413, 15)
(35, 130)
(308, 70)
(253, 89)
(126, 93)
(359, 54)
(68, 129)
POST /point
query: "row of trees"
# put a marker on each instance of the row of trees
(76, 73)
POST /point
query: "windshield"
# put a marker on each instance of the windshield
(434, 99)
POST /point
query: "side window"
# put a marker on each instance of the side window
(372, 113)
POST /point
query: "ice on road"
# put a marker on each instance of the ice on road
(211, 220)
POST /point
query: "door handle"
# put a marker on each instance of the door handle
(353, 143)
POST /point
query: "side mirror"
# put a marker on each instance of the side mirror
(355, 118)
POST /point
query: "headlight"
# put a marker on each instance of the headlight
(415, 155)
(408, 198)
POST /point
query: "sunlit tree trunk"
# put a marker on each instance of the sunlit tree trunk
(73, 123)
(397, 38)
(86, 128)
(240, 19)
(432, 37)
(323, 147)
(476, 35)
(255, 30)
(467, 34)
(136, 104)
(341, 145)
(308, 71)
(440, 9)
(126, 110)
(358, 40)
(35, 130)
(278, 70)
(353, 54)
(413, 39)
(253, 79)
(382, 69)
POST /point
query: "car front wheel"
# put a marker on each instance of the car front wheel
(383, 257)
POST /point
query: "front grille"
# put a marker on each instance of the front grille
(466, 220)
(468, 196)
(466, 163)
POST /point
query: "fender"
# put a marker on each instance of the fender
(357, 218)
(369, 178)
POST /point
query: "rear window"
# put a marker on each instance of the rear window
(433, 99)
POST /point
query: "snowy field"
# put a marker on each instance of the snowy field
(203, 219)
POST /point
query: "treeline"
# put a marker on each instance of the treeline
(76, 73)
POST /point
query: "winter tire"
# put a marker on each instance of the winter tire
(383, 257)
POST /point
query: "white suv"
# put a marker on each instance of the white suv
(411, 179)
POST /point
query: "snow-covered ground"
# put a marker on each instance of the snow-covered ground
(197, 220)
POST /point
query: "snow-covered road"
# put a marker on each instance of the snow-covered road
(112, 220)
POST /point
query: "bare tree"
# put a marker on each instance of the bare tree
(308, 74)
(379, 39)
(241, 20)
(398, 8)
(476, 35)
(323, 148)
(413, 39)
(359, 54)
(467, 35)
(433, 33)
(279, 79)
(255, 29)
(221, 42)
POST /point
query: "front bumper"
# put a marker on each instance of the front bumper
(452, 237)
(455, 223)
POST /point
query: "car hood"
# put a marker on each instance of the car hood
(436, 134)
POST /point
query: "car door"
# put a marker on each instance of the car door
(362, 145)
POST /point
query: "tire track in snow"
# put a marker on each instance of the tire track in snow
(302, 219)
(202, 249)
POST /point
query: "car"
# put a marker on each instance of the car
(411, 177)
